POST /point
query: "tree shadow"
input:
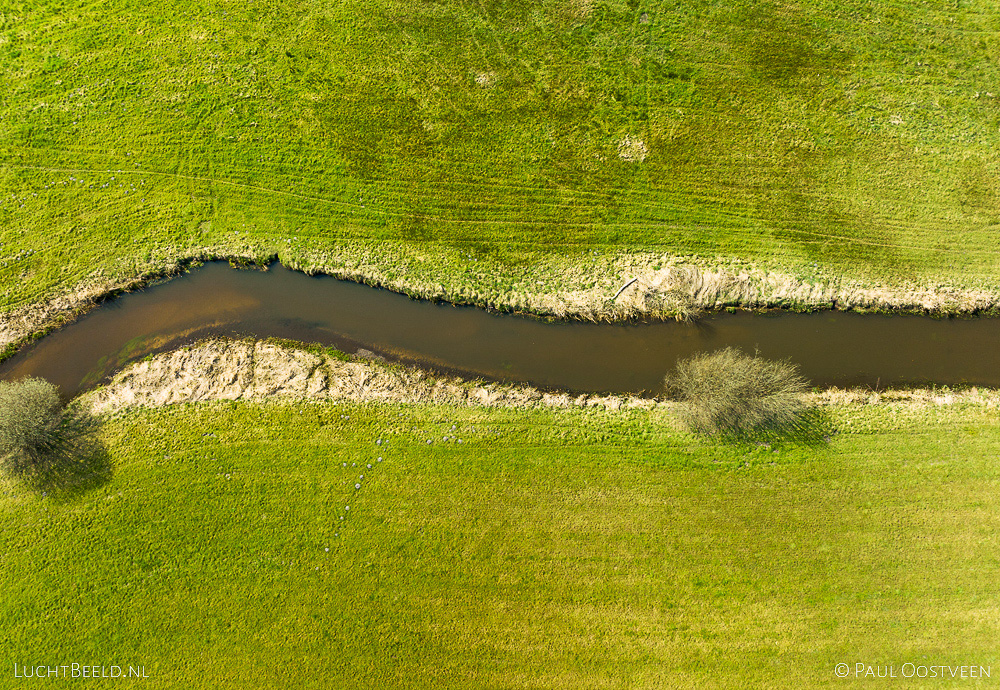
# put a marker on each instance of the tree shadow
(812, 428)
(68, 477)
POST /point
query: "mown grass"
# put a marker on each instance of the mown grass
(462, 143)
(548, 549)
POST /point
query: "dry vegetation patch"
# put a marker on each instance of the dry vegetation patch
(632, 150)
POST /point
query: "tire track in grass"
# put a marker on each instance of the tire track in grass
(683, 191)
(824, 237)
(110, 207)
(506, 222)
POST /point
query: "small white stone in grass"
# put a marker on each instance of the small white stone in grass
(380, 458)
(369, 465)
(347, 507)
(378, 442)
(328, 548)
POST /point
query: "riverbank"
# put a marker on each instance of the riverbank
(607, 287)
(221, 369)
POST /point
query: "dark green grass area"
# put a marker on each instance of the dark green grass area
(861, 136)
(548, 549)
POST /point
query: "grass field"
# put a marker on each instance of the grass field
(487, 150)
(548, 549)
(460, 143)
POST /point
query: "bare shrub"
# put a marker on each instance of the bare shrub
(36, 431)
(729, 394)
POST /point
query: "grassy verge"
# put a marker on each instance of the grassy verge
(547, 549)
(496, 150)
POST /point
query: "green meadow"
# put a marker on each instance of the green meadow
(460, 143)
(225, 545)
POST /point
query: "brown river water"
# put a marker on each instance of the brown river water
(832, 348)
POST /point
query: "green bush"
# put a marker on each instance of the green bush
(36, 431)
(730, 394)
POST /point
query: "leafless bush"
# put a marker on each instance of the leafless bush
(36, 431)
(729, 394)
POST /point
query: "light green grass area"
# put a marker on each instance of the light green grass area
(549, 549)
(486, 136)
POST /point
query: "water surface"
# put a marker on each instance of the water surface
(832, 348)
